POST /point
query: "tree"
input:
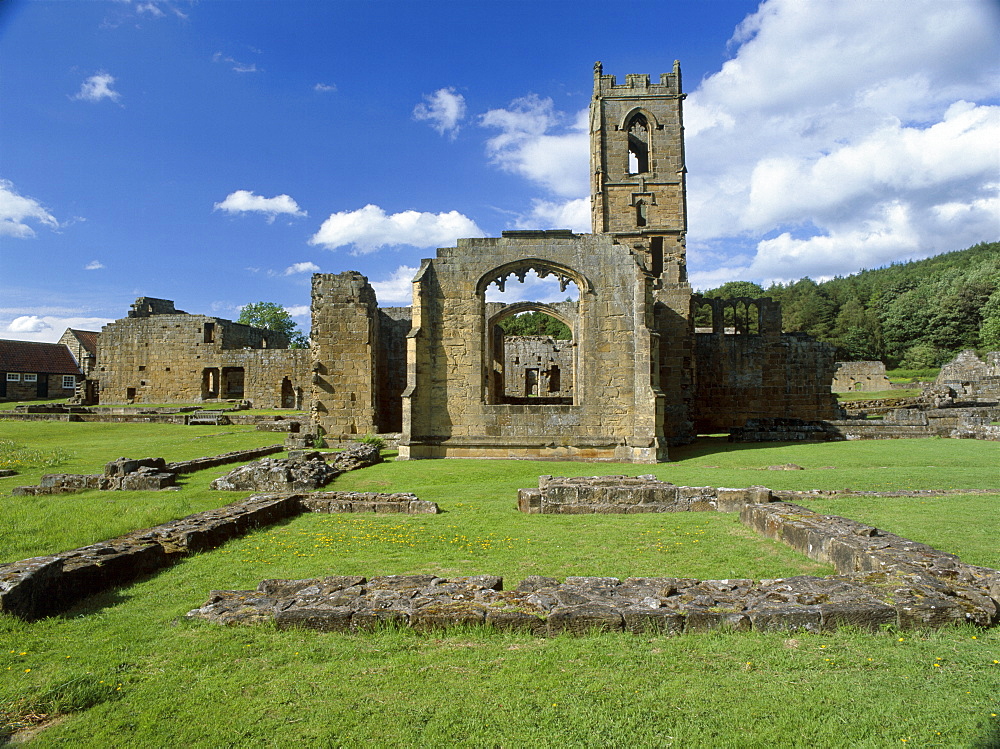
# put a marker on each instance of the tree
(271, 316)
(536, 323)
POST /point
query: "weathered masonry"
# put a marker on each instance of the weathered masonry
(634, 378)
(159, 354)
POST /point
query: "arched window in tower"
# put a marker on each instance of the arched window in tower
(638, 145)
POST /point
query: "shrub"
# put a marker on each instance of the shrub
(372, 439)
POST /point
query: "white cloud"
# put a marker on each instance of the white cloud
(568, 214)
(847, 135)
(244, 201)
(16, 210)
(370, 228)
(444, 110)
(532, 289)
(94, 265)
(47, 328)
(149, 8)
(305, 267)
(98, 87)
(325, 87)
(299, 310)
(236, 65)
(526, 146)
(398, 289)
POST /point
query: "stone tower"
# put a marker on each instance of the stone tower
(637, 168)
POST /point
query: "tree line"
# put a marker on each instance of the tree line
(915, 315)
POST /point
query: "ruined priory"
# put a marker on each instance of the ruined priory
(636, 377)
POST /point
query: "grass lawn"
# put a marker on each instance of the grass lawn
(858, 395)
(126, 669)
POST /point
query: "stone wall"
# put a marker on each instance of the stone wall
(537, 367)
(882, 580)
(861, 376)
(631, 495)
(160, 355)
(345, 349)
(971, 377)
(44, 586)
(451, 407)
(768, 374)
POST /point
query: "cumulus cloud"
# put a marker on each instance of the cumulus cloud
(244, 201)
(299, 310)
(370, 228)
(444, 110)
(98, 87)
(47, 328)
(398, 288)
(325, 87)
(296, 268)
(94, 265)
(846, 135)
(538, 142)
(16, 210)
(568, 214)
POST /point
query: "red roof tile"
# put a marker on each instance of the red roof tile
(87, 338)
(43, 358)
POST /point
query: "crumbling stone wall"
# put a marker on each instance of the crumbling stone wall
(972, 378)
(345, 332)
(161, 355)
(450, 408)
(861, 376)
(537, 367)
(764, 374)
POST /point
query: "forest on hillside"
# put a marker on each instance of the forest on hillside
(915, 315)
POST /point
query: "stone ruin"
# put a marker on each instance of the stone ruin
(304, 471)
(881, 580)
(962, 403)
(44, 586)
(860, 376)
(635, 377)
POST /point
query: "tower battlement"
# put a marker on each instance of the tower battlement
(637, 84)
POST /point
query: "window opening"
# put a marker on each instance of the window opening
(638, 146)
(656, 256)
(641, 215)
(532, 356)
(209, 332)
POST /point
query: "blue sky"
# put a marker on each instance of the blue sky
(218, 153)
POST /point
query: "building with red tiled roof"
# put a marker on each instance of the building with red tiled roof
(83, 345)
(30, 370)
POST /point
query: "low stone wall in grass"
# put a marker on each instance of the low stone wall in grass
(43, 586)
(629, 495)
(143, 474)
(882, 580)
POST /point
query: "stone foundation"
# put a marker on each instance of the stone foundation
(882, 580)
(44, 586)
(630, 495)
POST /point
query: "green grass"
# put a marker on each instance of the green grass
(126, 669)
(913, 375)
(856, 395)
(949, 522)
(224, 405)
(34, 526)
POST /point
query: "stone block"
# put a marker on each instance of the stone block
(320, 618)
(585, 617)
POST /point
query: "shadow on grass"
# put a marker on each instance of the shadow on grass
(714, 444)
